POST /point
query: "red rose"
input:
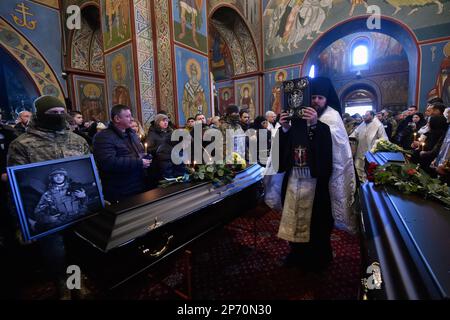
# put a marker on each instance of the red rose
(411, 172)
(373, 165)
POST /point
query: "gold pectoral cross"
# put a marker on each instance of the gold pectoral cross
(22, 22)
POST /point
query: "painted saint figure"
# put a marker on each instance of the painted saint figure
(121, 94)
(116, 13)
(225, 100)
(247, 101)
(276, 92)
(191, 10)
(194, 98)
(91, 105)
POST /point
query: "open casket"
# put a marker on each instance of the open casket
(132, 236)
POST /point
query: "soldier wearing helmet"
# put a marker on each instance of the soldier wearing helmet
(61, 202)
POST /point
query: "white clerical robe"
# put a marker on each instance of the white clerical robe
(343, 179)
(366, 135)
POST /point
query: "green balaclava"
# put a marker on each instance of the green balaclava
(53, 122)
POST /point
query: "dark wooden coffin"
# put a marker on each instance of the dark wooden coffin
(381, 158)
(410, 238)
(130, 237)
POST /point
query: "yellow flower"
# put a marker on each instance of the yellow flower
(237, 159)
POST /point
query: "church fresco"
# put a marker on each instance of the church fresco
(90, 98)
(226, 95)
(167, 91)
(385, 53)
(120, 78)
(414, 5)
(31, 59)
(291, 26)
(145, 57)
(220, 56)
(41, 26)
(272, 87)
(247, 95)
(250, 10)
(189, 23)
(435, 79)
(193, 84)
(116, 22)
(50, 3)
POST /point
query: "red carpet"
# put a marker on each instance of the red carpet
(244, 261)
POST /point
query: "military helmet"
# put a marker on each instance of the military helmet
(60, 171)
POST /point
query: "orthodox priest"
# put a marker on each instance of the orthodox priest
(366, 135)
(319, 183)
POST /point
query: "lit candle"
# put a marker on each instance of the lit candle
(423, 146)
(145, 147)
(415, 134)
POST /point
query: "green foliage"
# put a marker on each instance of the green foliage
(382, 145)
(218, 174)
(410, 179)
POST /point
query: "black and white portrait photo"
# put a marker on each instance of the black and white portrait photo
(52, 195)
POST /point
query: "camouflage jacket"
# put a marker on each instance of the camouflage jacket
(235, 129)
(38, 145)
(59, 205)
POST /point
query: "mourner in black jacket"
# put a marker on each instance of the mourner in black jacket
(119, 156)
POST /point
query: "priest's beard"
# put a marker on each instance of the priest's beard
(319, 110)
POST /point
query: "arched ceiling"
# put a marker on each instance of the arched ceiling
(238, 38)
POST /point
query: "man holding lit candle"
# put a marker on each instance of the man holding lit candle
(120, 157)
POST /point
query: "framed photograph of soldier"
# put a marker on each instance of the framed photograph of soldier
(50, 196)
(239, 144)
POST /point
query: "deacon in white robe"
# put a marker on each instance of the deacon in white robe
(366, 135)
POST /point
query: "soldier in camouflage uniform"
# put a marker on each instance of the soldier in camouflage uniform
(231, 121)
(61, 203)
(47, 138)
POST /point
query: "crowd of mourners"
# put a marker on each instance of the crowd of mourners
(421, 133)
(119, 145)
(131, 159)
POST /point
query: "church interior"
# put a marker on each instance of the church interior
(369, 220)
